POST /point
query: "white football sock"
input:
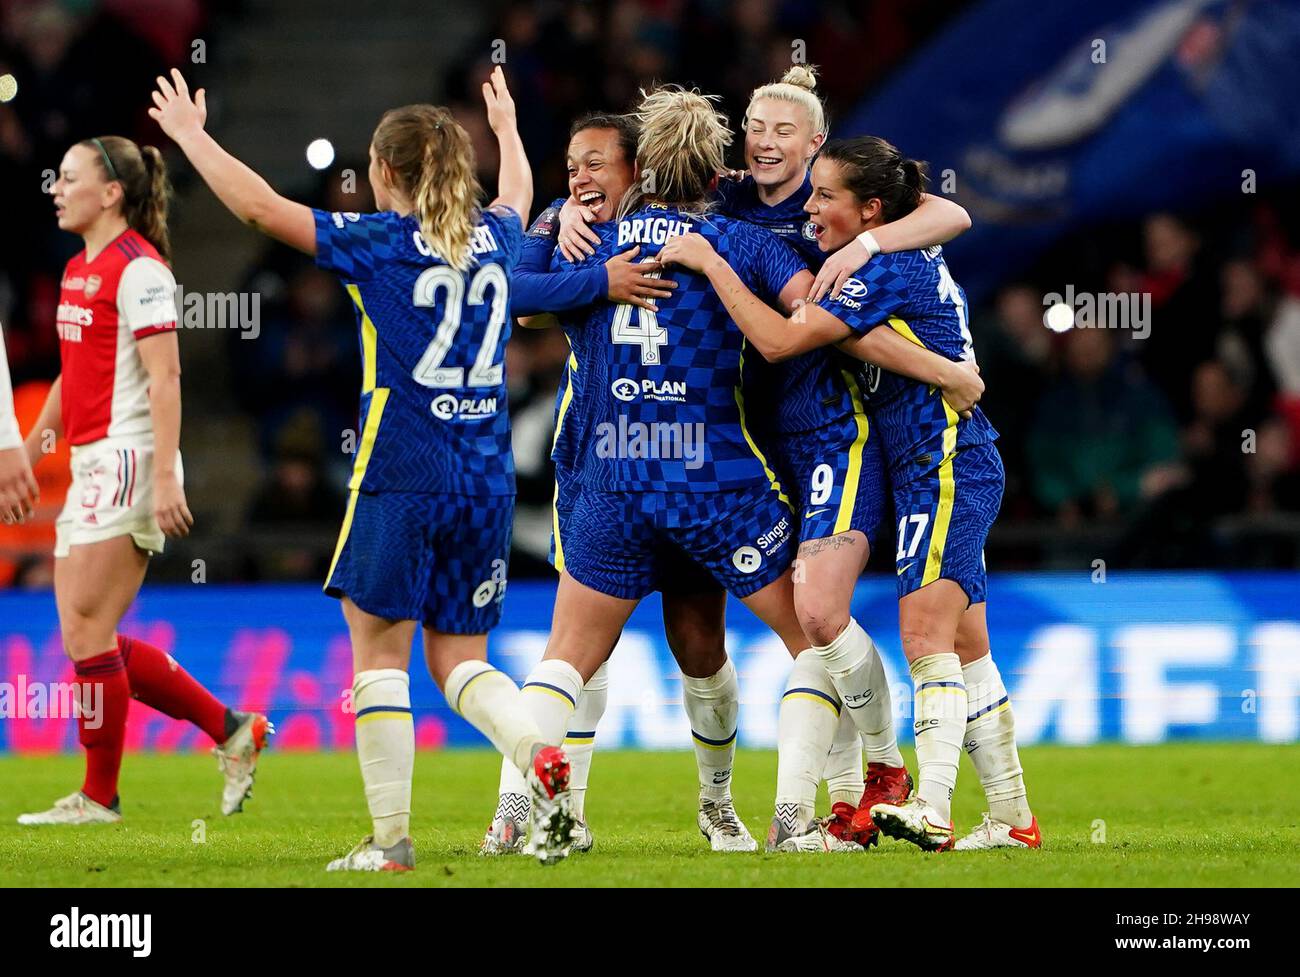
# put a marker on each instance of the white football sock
(843, 771)
(580, 741)
(806, 723)
(854, 664)
(492, 704)
(991, 743)
(939, 724)
(386, 749)
(712, 705)
(512, 793)
(551, 692)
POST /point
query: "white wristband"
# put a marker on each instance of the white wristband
(869, 242)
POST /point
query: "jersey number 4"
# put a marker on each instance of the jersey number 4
(484, 373)
(647, 333)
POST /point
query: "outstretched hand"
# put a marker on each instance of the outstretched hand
(500, 104)
(175, 111)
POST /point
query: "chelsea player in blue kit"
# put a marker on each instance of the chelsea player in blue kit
(946, 480)
(669, 458)
(810, 421)
(824, 448)
(601, 155)
(426, 536)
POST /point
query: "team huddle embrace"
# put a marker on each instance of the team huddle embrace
(770, 372)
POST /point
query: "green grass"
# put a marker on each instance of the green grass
(1174, 815)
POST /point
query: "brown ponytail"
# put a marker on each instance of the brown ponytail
(146, 191)
(873, 167)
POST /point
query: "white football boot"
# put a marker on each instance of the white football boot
(369, 857)
(916, 821)
(552, 826)
(508, 831)
(74, 809)
(820, 838)
(992, 833)
(726, 832)
(237, 759)
(583, 840)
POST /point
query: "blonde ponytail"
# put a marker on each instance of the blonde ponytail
(432, 159)
(680, 151)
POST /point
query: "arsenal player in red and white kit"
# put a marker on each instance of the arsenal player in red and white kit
(118, 402)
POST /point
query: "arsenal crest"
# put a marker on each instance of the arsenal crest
(92, 285)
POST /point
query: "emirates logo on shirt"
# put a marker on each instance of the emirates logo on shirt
(92, 285)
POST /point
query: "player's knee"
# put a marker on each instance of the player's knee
(921, 640)
(820, 615)
(700, 651)
(84, 636)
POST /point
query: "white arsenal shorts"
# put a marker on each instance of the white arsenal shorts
(111, 495)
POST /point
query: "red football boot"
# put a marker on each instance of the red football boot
(885, 785)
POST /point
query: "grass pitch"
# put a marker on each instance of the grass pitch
(1171, 815)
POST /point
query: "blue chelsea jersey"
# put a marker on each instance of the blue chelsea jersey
(433, 394)
(663, 405)
(807, 391)
(913, 293)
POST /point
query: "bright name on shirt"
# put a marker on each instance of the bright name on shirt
(650, 230)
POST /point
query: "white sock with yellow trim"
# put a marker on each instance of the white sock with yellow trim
(580, 741)
(712, 705)
(381, 698)
(491, 702)
(806, 723)
(939, 725)
(551, 692)
(991, 743)
(854, 664)
(843, 771)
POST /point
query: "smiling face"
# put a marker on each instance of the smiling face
(599, 173)
(82, 193)
(779, 141)
(837, 216)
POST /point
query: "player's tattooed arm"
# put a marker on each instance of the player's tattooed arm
(936, 220)
(245, 194)
(959, 383)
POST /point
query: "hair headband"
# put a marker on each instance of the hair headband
(108, 163)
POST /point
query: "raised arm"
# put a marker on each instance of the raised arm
(936, 220)
(515, 178)
(245, 194)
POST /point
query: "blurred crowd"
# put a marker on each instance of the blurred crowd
(1181, 448)
(1163, 431)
